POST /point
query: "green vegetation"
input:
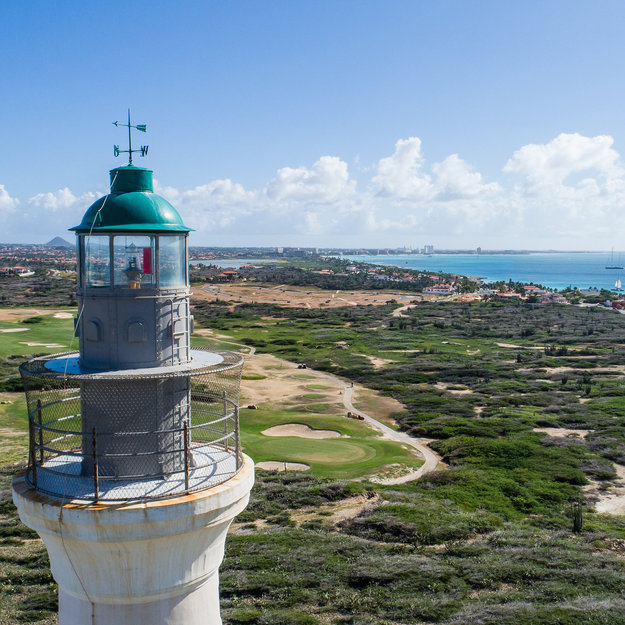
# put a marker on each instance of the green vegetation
(509, 577)
(421, 561)
(28, 590)
(39, 290)
(478, 378)
(494, 539)
(301, 272)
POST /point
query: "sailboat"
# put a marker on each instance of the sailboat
(612, 265)
(618, 286)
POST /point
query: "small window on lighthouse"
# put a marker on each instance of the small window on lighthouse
(97, 261)
(172, 261)
(133, 261)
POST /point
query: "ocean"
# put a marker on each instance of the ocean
(556, 270)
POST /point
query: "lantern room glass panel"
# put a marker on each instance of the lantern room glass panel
(133, 261)
(172, 261)
(96, 269)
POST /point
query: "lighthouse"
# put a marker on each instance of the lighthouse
(135, 467)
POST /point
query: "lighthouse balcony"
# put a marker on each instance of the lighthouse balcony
(115, 436)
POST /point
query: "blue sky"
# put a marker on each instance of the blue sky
(353, 123)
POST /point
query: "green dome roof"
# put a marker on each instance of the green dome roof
(131, 206)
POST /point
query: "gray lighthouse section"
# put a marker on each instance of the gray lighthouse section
(137, 412)
(123, 328)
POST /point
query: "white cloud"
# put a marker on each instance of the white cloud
(456, 179)
(551, 164)
(53, 201)
(313, 224)
(568, 192)
(400, 175)
(325, 182)
(570, 189)
(210, 206)
(8, 204)
(216, 192)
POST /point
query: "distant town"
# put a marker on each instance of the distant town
(206, 253)
(316, 267)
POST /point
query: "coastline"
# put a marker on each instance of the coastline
(556, 270)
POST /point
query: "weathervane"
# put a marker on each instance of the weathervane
(141, 128)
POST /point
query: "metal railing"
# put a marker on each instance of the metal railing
(130, 455)
(206, 452)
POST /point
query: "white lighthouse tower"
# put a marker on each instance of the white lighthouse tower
(135, 469)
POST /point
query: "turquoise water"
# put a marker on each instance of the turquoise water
(555, 270)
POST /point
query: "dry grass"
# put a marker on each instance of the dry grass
(296, 297)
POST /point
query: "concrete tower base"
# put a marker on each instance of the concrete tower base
(150, 563)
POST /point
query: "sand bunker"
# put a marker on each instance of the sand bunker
(17, 314)
(14, 330)
(63, 315)
(274, 465)
(563, 432)
(377, 363)
(41, 344)
(613, 500)
(300, 430)
(443, 386)
(608, 497)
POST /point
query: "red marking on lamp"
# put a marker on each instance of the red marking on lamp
(147, 260)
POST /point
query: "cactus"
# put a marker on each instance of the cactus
(578, 517)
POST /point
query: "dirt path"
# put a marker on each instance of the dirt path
(399, 312)
(277, 465)
(431, 458)
(513, 346)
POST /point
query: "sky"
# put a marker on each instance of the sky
(351, 123)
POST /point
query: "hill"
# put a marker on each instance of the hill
(59, 242)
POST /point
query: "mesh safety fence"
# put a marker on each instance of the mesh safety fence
(128, 436)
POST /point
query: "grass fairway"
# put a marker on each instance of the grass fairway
(46, 336)
(200, 341)
(14, 415)
(13, 429)
(363, 453)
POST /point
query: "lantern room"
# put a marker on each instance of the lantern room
(132, 247)
(132, 238)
